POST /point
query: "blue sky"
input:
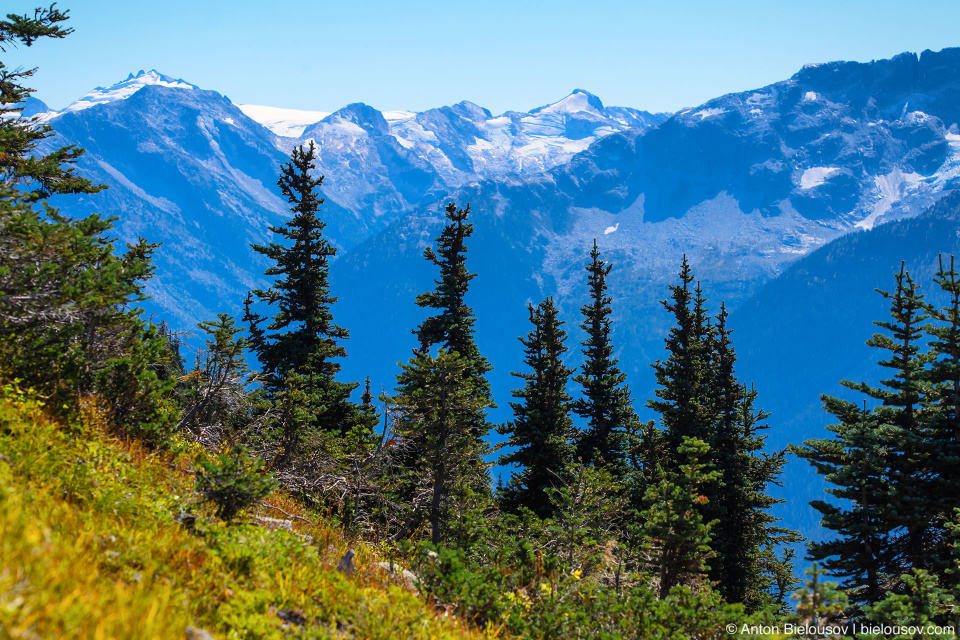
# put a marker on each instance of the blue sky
(659, 56)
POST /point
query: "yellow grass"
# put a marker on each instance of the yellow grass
(89, 548)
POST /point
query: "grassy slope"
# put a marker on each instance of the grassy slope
(89, 548)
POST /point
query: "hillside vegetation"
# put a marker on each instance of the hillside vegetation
(90, 547)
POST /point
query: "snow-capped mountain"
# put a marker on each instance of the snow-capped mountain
(125, 89)
(511, 143)
(744, 185)
(385, 162)
(189, 168)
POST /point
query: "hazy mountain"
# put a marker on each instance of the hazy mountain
(744, 185)
(188, 168)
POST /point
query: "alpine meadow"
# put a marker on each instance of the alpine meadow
(578, 372)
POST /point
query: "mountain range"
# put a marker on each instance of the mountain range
(752, 187)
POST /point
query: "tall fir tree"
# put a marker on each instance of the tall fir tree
(879, 460)
(450, 331)
(699, 397)
(747, 537)
(606, 404)
(452, 326)
(683, 378)
(942, 435)
(903, 415)
(856, 461)
(541, 428)
(69, 321)
(299, 349)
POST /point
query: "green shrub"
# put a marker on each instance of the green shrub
(233, 482)
(531, 594)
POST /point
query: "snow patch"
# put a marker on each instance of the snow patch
(891, 188)
(610, 230)
(709, 113)
(810, 96)
(412, 131)
(396, 116)
(286, 123)
(344, 128)
(576, 102)
(229, 120)
(816, 176)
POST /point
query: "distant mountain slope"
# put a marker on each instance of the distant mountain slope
(387, 163)
(188, 168)
(805, 331)
(744, 185)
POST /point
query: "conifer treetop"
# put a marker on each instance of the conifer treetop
(606, 403)
(41, 175)
(453, 326)
(302, 335)
(541, 429)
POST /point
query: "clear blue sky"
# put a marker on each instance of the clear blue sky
(516, 54)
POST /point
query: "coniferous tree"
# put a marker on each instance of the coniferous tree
(747, 538)
(678, 538)
(700, 397)
(69, 323)
(541, 428)
(452, 327)
(878, 459)
(216, 399)
(942, 435)
(438, 402)
(819, 603)
(174, 366)
(41, 175)
(362, 465)
(902, 413)
(456, 472)
(606, 404)
(300, 348)
(367, 407)
(683, 378)
(856, 461)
